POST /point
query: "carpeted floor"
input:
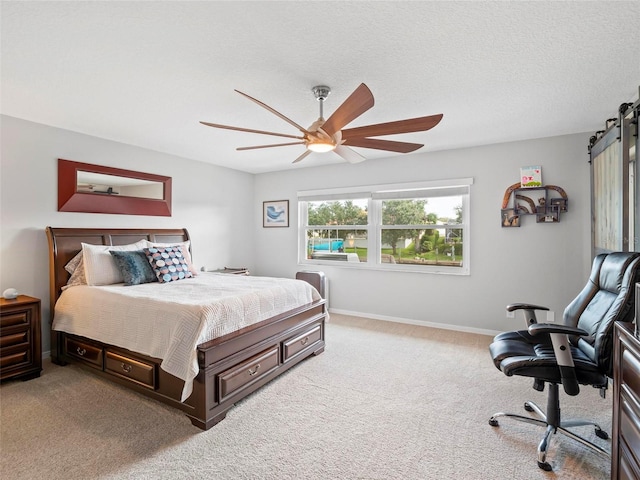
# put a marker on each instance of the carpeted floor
(384, 401)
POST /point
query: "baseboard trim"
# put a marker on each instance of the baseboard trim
(444, 326)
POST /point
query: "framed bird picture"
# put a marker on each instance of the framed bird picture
(275, 213)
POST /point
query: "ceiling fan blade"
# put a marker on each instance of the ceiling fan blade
(249, 130)
(269, 146)
(400, 147)
(349, 155)
(419, 124)
(358, 102)
(307, 152)
(275, 112)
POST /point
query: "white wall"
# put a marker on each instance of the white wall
(215, 204)
(545, 264)
(222, 208)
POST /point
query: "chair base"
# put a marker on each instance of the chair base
(552, 424)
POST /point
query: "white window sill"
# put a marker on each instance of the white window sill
(390, 267)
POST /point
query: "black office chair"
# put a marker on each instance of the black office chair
(578, 351)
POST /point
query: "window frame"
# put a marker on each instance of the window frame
(375, 195)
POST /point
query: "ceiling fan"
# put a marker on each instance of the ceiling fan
(326, 135)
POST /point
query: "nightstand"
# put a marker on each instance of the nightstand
(20, 342)
(233, 271)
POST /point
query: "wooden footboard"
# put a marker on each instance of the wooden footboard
(230, 367)
(234, 366)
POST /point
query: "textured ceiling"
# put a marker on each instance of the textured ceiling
(145, 73)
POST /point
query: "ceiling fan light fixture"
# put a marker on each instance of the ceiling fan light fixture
(321, 147)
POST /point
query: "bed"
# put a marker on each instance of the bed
(225, 361)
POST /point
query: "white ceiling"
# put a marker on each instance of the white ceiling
(145, 73)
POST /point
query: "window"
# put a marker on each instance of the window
(410, 227)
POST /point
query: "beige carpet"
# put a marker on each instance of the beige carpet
(384, 401)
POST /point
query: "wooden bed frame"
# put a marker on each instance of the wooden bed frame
(231, 367)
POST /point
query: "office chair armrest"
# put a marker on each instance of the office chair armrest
(524, 306)
(562, 350)
(529, 311)
(549, 328)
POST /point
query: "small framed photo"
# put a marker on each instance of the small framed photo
(275, 213)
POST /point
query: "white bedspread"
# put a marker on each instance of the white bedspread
(169, 320)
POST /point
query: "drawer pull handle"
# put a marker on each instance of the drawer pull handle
(126, 368)
(254, 371)
(81, 351)
(304, 341)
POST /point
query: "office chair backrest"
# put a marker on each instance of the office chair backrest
(607, 298)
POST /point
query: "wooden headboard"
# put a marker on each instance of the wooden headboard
(65, 243)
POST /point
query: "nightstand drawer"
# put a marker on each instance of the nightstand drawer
(20, 356)
(14, 339)
(129, 368)
(246, 373)
(83, 350)
(301, 342)
(15, 318)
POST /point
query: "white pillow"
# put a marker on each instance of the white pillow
(99, 266)
(185, 252)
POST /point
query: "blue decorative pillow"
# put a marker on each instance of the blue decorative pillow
(134, 267)
(168, 263)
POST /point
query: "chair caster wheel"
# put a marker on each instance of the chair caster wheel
(528, 407)
(545, 466)
(602, 434)
(493, 422)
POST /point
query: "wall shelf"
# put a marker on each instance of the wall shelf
(545, 202)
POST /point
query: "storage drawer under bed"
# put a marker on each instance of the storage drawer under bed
(301, 342)
(244, 374)
(89, 353)
(137, 371)
(112, 361)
